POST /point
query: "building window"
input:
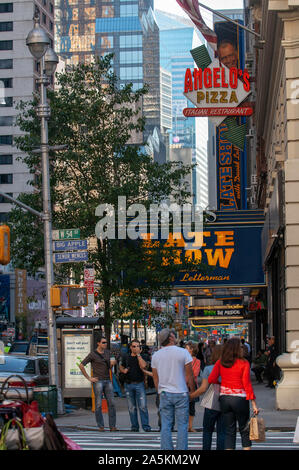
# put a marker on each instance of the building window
(51, 8)
(130, 41)
(6, 64)
(6, 102)
(131, 57)
(6, 26)
(128, 10)
(51, 26)
(6, 82)
(131, 73)
(6, 179)
(105, 42)
(5, 139)
(3, 200)
(45, 3)
(4, 216)
(5, 159)
(6, 120)
(6, 7)
(44, 19)
(6, 45)
(107, 11)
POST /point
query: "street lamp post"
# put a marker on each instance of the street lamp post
(38, 42)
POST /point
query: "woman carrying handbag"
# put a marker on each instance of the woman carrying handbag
(210, 402)
(235, 392)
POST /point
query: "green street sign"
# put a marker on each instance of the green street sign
(66, 234)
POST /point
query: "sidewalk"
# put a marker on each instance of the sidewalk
(265, 397)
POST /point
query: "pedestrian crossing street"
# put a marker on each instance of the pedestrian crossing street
(126, 440)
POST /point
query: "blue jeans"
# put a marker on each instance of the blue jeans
(106, 387)
(212, 417)
(136, 396)
(174, 406)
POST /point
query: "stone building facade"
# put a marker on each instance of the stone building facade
(276, 121)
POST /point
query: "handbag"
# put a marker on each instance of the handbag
(296, 434)
(210, 399)
(257, 429)
(13, 439)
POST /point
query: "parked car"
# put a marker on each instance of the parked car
(33, 369)
(19, 347)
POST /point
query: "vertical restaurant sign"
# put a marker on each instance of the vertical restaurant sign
(76, 348)
(20, 292)
(89, 276)
(228, 172)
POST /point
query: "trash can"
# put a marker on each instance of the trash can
(46, 398)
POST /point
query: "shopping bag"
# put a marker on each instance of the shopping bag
(210, 399)
(13, 439)
(257, 429)
(296, 434)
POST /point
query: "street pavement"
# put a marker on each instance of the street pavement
(130, 441)
(278, 420)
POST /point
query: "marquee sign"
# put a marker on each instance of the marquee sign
(217, 91)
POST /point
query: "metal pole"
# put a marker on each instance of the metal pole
(44, 113)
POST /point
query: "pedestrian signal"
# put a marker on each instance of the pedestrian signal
(4, 244)
(78, 296)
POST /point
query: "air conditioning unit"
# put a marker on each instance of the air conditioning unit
(254, 180)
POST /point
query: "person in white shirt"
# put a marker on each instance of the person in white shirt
(173, 378)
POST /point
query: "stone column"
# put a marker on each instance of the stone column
(287, 393)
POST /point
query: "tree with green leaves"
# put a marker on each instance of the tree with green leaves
(96, 119)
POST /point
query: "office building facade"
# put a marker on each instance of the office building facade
(18, 72)
(128, 30)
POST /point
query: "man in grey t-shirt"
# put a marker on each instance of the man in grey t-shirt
(173, 377)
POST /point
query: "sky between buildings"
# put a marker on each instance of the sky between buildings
(171, 6)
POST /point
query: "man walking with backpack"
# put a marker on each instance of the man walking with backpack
(173, 377)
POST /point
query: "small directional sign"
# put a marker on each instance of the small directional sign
(78, 297)
(70, 257)
(66, 234)
(69, 245)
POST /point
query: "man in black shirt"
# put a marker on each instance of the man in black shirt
(132, 366)
(101, 364)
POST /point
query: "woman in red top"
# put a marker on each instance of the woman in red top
(193, 350)
(235, 392)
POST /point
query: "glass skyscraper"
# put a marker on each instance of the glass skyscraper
(126, 28)
(177, 37)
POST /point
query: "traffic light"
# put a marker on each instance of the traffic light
(4, 244)
(176, 307)
(55, 297)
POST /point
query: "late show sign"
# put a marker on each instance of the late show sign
(227, 255)
(217, 91)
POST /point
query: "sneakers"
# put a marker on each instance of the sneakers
(113, 430)
(102, 429)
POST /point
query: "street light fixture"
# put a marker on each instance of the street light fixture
(38, 42)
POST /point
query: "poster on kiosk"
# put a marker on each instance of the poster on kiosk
(219, 88)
